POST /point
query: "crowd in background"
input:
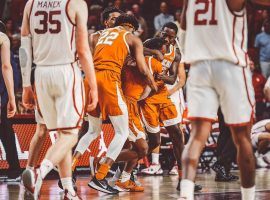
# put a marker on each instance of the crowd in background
(152, 15)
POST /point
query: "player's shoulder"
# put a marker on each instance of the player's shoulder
(77, 4)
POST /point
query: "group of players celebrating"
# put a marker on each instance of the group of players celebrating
(127, 82)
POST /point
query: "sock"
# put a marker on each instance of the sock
(67, 185)
(45, 167)
(74, 164)
(125, 176)
(102, 171)
(248, 193)
(155, 158)
(30, 168)
(187, 189)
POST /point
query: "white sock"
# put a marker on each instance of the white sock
(117, 174)
(248, 193)
(67, 185)
(125, 176)
(187, 189)
(45, 167)
(30, 168)
(155, 158)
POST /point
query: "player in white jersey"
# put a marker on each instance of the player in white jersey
(260, 138)
(267, 89)
(50, 28)
(7, 71)
(215, 45)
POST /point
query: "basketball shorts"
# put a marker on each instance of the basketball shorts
(153, 114)
(111, 101)
(60, 96)
(136, 130)
(178, 100)
(217, 83)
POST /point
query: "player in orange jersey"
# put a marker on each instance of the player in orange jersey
(108, 16)
(112, 48)
(134, 89)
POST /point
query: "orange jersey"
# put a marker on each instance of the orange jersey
(168, 58)
(111, 50)
(162, 95)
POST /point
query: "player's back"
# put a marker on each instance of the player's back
(53, 33)
(214, 32)
(111, 49)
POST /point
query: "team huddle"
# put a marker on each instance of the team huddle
(136, 85)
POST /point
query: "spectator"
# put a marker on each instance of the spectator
(262, 43)
(258, 82)
(143, 34)
(163, 17)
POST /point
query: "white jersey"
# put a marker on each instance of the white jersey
(259, 127)
(214, 32)
(53, 33)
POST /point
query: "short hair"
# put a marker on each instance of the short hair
(3, 28)
(107, 11)
(127, 19)
(171, 25)
(154, 43)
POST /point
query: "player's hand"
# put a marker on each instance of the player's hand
(92, 100)
(130, 61)
(158, 55)
(11, 108)
(28, 98)
(170, 92)
(160, 77)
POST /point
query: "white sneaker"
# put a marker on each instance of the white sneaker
(28, 180)
(68, 196)
(174, 171)
(153, 169)
(37, 185)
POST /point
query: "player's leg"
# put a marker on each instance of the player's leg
(35, 148)
(234, 86)
(93, 132)
(245, 160)
(203, 105)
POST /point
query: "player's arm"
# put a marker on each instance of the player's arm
(173, 71)
(93, 39)
(181, 74)
(8, 76)
(236, 5)
(153, 52)
(136, 48)
(26, 59)
(83, 50)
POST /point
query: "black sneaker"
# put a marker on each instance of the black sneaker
(102, 186)
(73, 184)
(232, 177)
(225, 178)
(197, 187)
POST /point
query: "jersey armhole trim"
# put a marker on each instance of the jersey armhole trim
(125, 40)
(66, 10)
(239, 13)
(150, 64)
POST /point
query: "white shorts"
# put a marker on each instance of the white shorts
(178, 100)
(60, 95)
(217, 83)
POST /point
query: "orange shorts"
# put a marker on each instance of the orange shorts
(111, 101)
(136, 130)
(154, 114)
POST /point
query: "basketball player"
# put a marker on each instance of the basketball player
(7, 71)
(266, 90)
(216, 47)
(135, 89)
(58, 78)
(260, 138)
(111, 50)
(108, 16)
